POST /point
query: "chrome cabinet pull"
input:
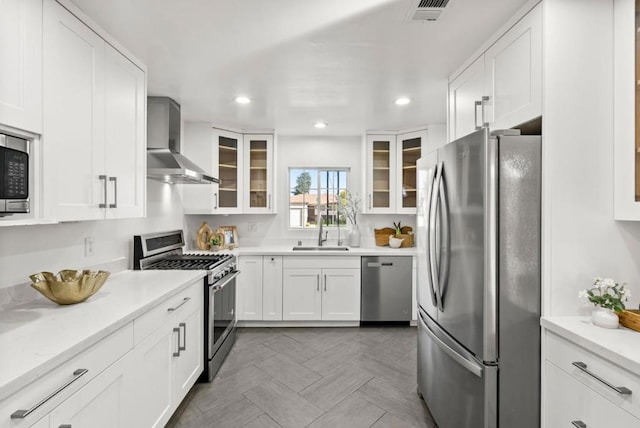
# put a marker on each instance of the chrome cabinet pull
(269, 197)
(318, 282)
(476, 104)
(115, 192)
(177, 330)
(21, 414)
(215, 204)
(184, 337)
(65, 426)
(370, 202)
(619, 389)
(103, 178)
(325, 282)
(483, 103)
(175, 308)
(578, 424)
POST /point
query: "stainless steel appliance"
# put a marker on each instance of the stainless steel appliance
(164, 161)
(14, 175)
(386, 289)
(479, 281)
(165, 251)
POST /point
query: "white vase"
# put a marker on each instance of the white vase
(354, 236)
(605, 318)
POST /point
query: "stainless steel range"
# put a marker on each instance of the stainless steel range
(165, 251)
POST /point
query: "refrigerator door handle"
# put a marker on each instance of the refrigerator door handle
(431, 238)
(467, 363)
(433, 233)
(443, 256)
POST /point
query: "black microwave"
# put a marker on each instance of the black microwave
(14, 175)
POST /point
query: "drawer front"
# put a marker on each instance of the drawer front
(71, 373)
(321, 262)
(569, 403)
(564, 354)
(183, 302)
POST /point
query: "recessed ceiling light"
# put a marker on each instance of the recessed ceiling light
(320, 125)
(242, 100)
(402, 101)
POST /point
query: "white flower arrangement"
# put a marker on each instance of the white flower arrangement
(349, 205)
(607, 293)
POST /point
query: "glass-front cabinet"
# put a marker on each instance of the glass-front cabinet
(229, 151)
(391, 172)
(258, 174)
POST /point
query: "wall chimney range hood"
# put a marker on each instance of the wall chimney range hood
(164, 161)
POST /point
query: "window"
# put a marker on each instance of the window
(313, 197)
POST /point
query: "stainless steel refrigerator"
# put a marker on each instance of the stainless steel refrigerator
(478, 243)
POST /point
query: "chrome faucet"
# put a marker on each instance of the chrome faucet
(320, 240)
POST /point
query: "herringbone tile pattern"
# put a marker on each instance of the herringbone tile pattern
(312, 377)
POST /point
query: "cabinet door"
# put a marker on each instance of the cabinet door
(42, 423)
(153, 388)
(258, 174)
(201, 143)
(188, 366)
(73, 141)
(272, 288)
(125, 128)
(513, 74)
(340, 294)
(228, 199)
(381, 175)
(301, 295)
(464, 92)
(106, 401)
(249, 288)
(409, 150)
(566, 400)
(21, 53)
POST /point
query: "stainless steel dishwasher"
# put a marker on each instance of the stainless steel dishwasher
(386, 289)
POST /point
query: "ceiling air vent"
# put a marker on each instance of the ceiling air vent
(426, 10)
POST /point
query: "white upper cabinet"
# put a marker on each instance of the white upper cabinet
(258, 174)
(200, 144)
(228, 148)
(513, 74)
(94, 124)
(391, 172)
(465, 100)
(21, 53)
(503, 87)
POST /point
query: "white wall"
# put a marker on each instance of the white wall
(581, 239)
(25, 250)
(301, 151)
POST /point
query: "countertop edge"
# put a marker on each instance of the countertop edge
(562, 326)
(26, 378)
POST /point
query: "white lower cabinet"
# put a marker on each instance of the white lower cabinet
(249, 288)
(272, 288)
(323, 288)
(105, 402)
(584, 390)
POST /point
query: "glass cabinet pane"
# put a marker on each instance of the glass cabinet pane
(410, 154)
(637, 118)
(228, 171)
(258, 174)
(381, 174)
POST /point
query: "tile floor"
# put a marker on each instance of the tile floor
(312, 377)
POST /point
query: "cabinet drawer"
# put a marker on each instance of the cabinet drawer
(322, 262)
(564, 354)
(183, 302)
(568, 401)
(52, 383)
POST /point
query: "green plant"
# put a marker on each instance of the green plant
(215, 241)
(607, 293)
(398, 228)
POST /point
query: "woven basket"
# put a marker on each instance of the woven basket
(630, 318)
(382, 235)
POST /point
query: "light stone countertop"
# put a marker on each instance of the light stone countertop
(37, 336)
(287, 250)
(620, 346)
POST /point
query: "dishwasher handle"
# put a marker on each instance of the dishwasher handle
(379, 264)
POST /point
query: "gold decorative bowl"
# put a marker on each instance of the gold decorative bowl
(69, 286)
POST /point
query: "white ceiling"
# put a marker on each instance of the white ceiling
(339, 61)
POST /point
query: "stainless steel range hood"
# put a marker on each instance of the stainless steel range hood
(164, 161)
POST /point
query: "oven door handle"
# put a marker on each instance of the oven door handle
(227, 279)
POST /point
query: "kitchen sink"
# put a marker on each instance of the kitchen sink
(320, 249)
